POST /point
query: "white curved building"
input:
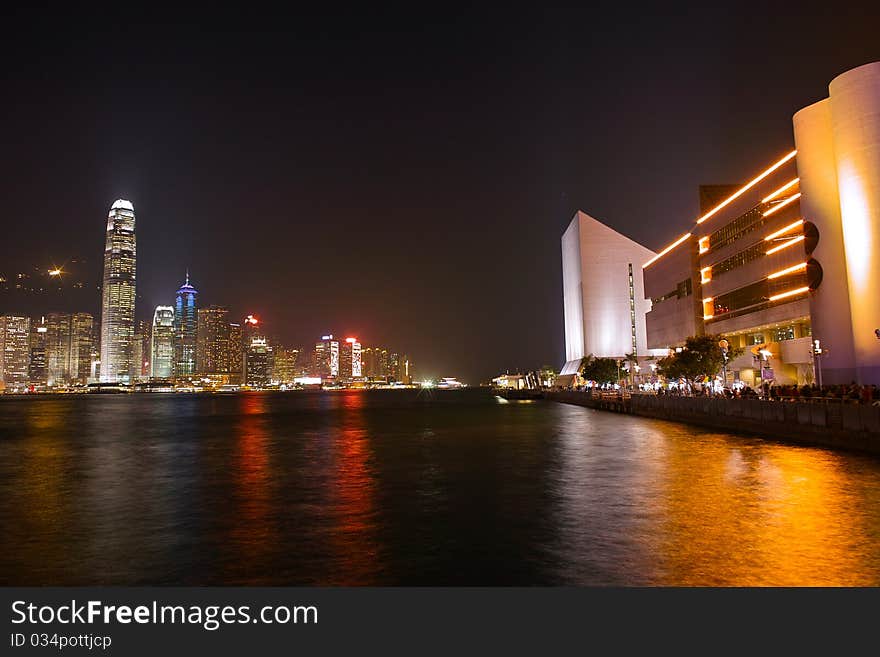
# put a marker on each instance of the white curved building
(603, 292)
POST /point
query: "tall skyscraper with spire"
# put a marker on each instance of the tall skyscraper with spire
(185, 323)
(118, 294)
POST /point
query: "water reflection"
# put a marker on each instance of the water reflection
(394, 488)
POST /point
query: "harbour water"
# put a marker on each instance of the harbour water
(409, 488)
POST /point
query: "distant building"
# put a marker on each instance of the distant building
(212, 341)
(14, 351)
(375, 363)
(185, 330)
(350, 360)
(142, 354)
(162, 343)
(286, 367)
(118, 293)
(259, 363)
(68, 348)
(38, 373)
(326, 357)
(236, 354)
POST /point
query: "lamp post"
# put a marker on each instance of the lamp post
(725, 345)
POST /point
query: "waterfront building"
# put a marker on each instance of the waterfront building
(259, 363)
(162, 343)
(603, 298)
(212, 340)
(118, 293)
(786, 262)
(326, 357)
(14, 352)
(375, 363)
(285, 367)
(185, 327)
(38, 374)
(394, 366)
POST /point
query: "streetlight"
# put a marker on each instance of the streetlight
(725, 345)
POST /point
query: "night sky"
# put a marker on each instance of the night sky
(404, 177)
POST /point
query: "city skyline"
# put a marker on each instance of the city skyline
(316, 201)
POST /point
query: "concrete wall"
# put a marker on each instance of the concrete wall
(831, 424)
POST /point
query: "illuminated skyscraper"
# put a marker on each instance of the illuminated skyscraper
(350, 360)
(142, 350)
(185, 330)
(162, 343)
(326, 357)
(212, 340)
(118, 294)
(259, 363)
(14, 351)
(236, 353)
(285, 367)
(37, 371)
(68, 348)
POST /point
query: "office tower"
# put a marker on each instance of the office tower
(259, 363)
(58, 348)
(212, 340)
(118, 294)
(394, 367)
(235, 356)
(14, 351)
(69, 346)
(37, 370)
(285, 367)
(142, 350)
(81, 347)
(326, 357)
(185, 330)
(162, 343)
(350, 360)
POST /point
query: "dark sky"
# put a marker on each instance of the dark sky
(401, 175)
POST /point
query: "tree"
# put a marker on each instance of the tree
(600, 370)
(700, 356)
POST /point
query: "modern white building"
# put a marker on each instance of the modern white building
(603, 293)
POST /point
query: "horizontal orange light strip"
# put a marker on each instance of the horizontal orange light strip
(783, 231)
(746, 187)
(776, 208)
(790, 293)
(708, 300)
(705, 317)
(667, 249)
(790, 270)
(781, 190)
(793, 240)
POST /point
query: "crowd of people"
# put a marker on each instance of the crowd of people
(852, 392)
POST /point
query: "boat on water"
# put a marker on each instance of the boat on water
(522, 393)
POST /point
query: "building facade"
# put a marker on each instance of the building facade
(69, 348)
(212, 340)
(118, 293)
(162, 343)
(786, 263)
(185, 329)
(14, 352)
(325, 359)
(38, 372)
(259, 363)
(350, 360)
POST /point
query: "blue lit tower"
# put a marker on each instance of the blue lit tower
(185, 330)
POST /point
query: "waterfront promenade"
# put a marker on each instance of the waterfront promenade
(827, 422)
